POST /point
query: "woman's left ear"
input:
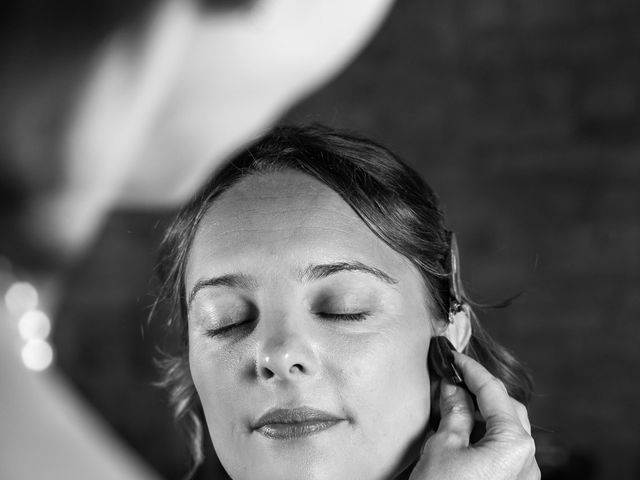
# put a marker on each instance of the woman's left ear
(458, 331)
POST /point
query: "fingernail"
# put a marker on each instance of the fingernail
(448, 390)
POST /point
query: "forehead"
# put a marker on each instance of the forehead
(284, 221)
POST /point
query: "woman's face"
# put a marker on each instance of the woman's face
(308, 336)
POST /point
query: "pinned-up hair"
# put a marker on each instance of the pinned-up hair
(390, 198)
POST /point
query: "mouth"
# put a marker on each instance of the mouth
(294, 423)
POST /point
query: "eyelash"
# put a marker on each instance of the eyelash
(348, 317)
(226, 330)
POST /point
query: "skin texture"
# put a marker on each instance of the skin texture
(287, 351)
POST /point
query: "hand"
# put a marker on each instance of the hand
(506, 452)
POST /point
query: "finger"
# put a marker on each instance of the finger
(493, 400)
(534, 471)
(523, 415)
(456, 414)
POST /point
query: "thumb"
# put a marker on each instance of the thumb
(456, 413)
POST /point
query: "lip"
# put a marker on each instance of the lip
(294, 423)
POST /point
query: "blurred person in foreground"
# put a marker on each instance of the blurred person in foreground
(307, 280)
(137, 118)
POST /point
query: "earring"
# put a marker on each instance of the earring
(454, 309)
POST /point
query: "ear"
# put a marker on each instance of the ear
(459, 330)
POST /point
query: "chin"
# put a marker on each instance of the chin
(284, 467)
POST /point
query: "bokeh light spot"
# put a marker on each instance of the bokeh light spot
(37, 355)
(20, 297)
(34, 324)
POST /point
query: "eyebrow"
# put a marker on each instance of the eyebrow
(233, 280)
(312, 272)
(316, 272)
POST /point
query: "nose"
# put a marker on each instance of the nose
(286, 354)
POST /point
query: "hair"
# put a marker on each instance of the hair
(389, 197)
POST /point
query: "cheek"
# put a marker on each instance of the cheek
(215, 376)
(385, 379)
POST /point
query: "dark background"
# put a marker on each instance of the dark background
(525, 116)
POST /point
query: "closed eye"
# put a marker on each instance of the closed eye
(347, 317)
(228, 329)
